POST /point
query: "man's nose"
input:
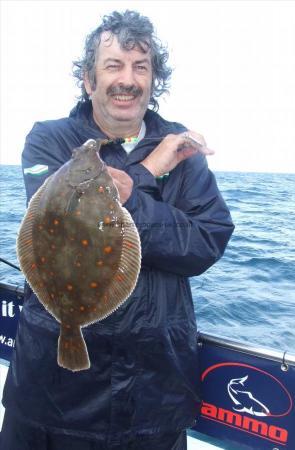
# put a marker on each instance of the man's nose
(126, 76)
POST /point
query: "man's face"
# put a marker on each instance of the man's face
(123, 83)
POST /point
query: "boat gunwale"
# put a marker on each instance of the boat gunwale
(283, 357)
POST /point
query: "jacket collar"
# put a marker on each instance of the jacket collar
(156, 129)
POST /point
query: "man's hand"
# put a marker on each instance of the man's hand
(123, 183)
(172, 150)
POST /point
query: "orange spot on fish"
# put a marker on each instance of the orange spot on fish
(56, 222)
(52, 295)
(101, 189)
(33, 266)
(99, 263)
(129, 244)
(78, 213)
(69, 287)
(40, 227)
(43, 259)
(68, 326)
(53, 246)
(120, 277)
(93, 284)
(107, 220)
(51, 230)
(78, 264)
(82, 308)
(85, 242)
(108, 249)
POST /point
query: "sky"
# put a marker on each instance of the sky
(233, 79)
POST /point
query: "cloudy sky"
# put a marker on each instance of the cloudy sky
(233, 81)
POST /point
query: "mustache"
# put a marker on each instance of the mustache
(130, 90)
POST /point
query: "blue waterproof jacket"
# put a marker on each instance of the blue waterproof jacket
(144, 375)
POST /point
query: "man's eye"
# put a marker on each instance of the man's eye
(113, 66)
(142, 68)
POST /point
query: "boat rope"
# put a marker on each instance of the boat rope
(10, 264)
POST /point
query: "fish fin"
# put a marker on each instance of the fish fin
(25, 249)
(126, 276)
(72, 352)
(73, 202)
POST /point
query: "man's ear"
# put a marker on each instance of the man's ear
(87, 83)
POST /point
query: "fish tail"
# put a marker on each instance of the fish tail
(72, 350)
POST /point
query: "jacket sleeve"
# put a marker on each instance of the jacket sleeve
(190, 236)
(41, 157)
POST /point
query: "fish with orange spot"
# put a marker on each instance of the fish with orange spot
(77, 199)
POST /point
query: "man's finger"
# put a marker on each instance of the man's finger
(207, 151)
(190, 150)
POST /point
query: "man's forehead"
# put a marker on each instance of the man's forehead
(109, 45)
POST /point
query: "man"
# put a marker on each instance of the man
(142, 390)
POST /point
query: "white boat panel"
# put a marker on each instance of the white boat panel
(3, 373)
(195, 444)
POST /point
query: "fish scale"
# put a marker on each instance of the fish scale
(79, 249)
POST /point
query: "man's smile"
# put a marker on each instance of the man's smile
(124, 97)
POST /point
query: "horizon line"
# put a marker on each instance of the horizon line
(212, 170)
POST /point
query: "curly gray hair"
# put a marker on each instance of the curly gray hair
(132, 30)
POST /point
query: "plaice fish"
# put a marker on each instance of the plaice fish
(79, 249)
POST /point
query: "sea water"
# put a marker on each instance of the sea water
(249, 295)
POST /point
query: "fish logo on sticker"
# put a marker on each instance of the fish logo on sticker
(244, 399)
